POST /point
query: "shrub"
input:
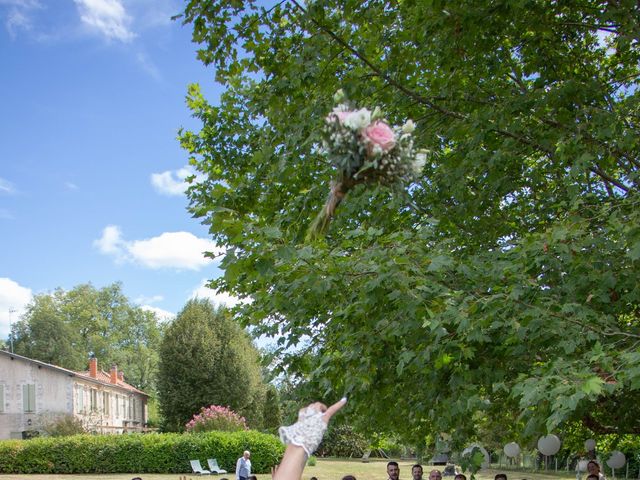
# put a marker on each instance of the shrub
(343, 441)
(143, 453)
(63, 426)
(216, 418)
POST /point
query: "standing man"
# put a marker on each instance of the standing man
(243, 466)
(393, 470)
(416, 472)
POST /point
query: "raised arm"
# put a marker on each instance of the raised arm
(303, 438)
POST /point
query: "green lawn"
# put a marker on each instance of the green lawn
(329, 469)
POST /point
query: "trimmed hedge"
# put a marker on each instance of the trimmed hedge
(139, 453)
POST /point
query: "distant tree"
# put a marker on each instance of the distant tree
(207, 359)
(45, 333)
(63, 327)
(272, 413)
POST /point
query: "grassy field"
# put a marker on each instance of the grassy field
(325, 469)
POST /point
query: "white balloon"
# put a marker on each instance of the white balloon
(487, 461)
(589, 444)
(511, 449)
(548, 445)
(582, 465)
(617, 459)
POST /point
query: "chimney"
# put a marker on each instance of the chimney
(93, 367)
(114, 374)
(121, 376)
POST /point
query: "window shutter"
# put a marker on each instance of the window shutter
(1, 398)
(32, 398)
(29, 398)
(80, 399)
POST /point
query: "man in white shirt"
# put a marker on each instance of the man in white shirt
(243, 466)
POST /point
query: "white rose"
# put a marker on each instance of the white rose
(418, 163)
(358, 120)
(408, 127)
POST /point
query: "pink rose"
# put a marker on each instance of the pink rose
(380, 134)
(340, 115)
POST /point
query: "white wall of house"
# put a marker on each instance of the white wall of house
(29, 393)
(106, 409)
(32, 393)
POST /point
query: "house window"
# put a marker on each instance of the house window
(29, 398)
(117, 406)
(93, 399)
(133, 401)
(106, 403)
(1, 398)
(130, 408)
(79, 399)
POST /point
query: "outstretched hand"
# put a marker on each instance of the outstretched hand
(328, 412)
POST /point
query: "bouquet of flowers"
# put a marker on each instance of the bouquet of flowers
(364, 149)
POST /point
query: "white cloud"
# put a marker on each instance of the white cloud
(6, 187)
(106, 17)
(71, 186)
(179, 250)
(13, 300)
(111, 242)
(171, 182)
(173, 249)
(142, 300)
(19, 15)
(163, 315)
(148, 66)
(216, 298)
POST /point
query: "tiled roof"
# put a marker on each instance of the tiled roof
(105, 378)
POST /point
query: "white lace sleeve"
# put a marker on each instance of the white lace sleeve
(307, 432)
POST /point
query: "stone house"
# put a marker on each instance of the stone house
(33, 393)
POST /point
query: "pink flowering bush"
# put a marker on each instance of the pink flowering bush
(216, 417)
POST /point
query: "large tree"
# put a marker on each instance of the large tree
(207, 359)
(65, 327)
(504, 283)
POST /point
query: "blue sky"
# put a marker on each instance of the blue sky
(92, 96)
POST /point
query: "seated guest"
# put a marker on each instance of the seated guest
(348, 477)
(460, 476)
(500, 476)
(593, 477)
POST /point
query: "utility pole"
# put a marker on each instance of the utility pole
(11, 310)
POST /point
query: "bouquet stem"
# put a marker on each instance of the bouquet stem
(320, 224)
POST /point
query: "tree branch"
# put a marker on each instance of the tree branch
(429, 103)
